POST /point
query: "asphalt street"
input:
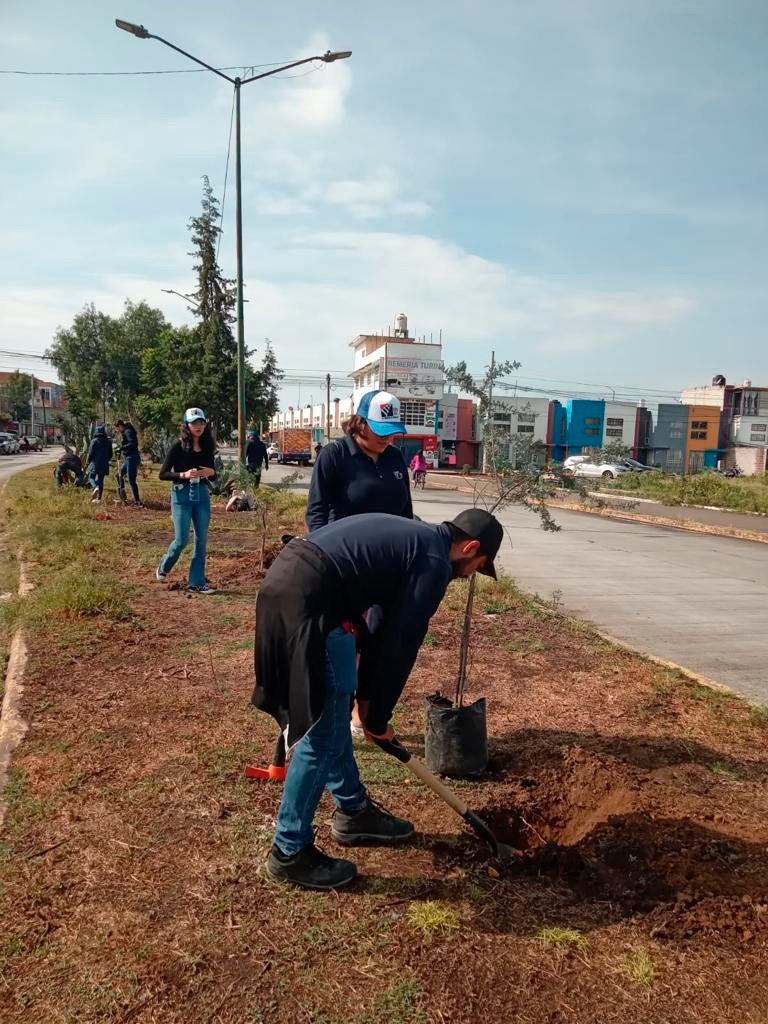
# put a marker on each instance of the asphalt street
(10, 464)
(693, 599)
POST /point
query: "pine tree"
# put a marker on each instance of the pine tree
(263, 389)
(213, 383)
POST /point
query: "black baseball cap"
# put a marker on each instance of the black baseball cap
(477, 524)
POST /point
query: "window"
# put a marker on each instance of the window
(414, 414)
(699, 425)
(613, 422)
(699, 435)
(526, 417)
(695, 462)
(760, 438)
(524, 428)
(592, 421)
(759, 428)
(592, 431)
(502, 417)
(613, 431)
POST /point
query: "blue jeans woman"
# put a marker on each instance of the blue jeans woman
(186, 513)
(188, 464)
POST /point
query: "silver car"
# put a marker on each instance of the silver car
(9, 444)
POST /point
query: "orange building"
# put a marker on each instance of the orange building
(702, 438)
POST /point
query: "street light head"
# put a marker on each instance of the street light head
(135, 30)
(329, 57)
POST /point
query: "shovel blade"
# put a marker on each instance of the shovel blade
(503, 853)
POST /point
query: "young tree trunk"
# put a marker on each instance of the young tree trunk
(466, 634)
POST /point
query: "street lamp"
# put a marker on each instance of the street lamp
(328, 57)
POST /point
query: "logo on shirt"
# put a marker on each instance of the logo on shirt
(387, 411)
(397, 474)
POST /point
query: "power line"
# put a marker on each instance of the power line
(118, 74)
(226, 175)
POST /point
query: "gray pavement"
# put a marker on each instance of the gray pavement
(694, 599)
(10, 464)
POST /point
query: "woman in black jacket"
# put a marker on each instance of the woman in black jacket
(188, 464)
(97, 461)
(362, 471)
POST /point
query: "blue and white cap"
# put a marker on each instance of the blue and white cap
(381, 411)
(194, 414)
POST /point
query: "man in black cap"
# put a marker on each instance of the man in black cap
(310, 605)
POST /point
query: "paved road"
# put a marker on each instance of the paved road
(697, 600)
(10, 464)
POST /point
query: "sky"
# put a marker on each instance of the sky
(579, 185)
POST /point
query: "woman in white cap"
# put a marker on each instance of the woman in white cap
(188, 464)
(362, 471)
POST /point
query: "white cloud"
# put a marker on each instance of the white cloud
(313, 293)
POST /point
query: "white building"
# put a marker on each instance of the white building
(411, 370)
(619, 424)
(314, 416)
(517, 422)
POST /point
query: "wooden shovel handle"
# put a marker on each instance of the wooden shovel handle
(396, 749)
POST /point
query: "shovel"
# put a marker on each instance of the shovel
(501, 851)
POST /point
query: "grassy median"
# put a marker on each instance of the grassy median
(130, 861)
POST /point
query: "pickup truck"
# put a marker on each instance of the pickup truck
(295, 445)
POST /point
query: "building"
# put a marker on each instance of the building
(410, 369)
(741, 414)
(668, 438)
(458, 444)
(314, 417)
(49, 403)
(518, 424)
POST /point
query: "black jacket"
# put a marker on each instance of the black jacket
(256, 454)
(99, 453)
(334, 576)
(347, 482)
(129, 445)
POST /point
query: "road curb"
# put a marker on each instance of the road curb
(688, 526)
(13, 728)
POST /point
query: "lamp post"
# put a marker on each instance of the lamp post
(329, 57)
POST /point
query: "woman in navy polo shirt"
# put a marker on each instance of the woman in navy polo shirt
(362, 471)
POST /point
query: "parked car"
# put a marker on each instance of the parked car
(273, 451)
(583, 465)
(9, 443)
(604, 470)
(30, 443)
(639, 467)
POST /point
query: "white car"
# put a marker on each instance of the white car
(9, 444)
(604, 470)
(273, 452)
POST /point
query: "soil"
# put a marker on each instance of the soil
(130, 866)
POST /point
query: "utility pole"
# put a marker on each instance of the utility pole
(45, 424)
(488, 442)
(32, 408)
(328, 58)
(327, 408)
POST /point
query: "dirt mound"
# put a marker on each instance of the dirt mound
(242, 569)
(612, 833)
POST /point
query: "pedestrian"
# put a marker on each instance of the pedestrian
(306, 672)
(188, 464)
(69, 469)
(129, 450)
(418, 466)
(97, 460)
(362, 471)
(256, 457)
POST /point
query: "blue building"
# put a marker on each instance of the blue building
(585, 423)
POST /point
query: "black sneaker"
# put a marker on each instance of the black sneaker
(310, 868)
(371, 825)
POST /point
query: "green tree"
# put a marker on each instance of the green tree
(481, 388)
(16, 393)
(263, 388)
(212, 382)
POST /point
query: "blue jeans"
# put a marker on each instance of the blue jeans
(96, 479)
(324, 756)
(183, 513)
(130, 468)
